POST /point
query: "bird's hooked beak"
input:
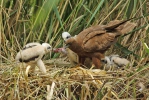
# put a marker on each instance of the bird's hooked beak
(67, 46)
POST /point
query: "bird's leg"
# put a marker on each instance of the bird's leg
(41, 66)
(81, 60)
(30, 69)
(96, 62)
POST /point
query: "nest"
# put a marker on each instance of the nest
(64, 81)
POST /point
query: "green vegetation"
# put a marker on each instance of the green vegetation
(24, 21)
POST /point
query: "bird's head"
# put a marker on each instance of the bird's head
(47, 46)
(69, 40)
(66, 36)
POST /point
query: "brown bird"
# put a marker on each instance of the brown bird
(95, 40)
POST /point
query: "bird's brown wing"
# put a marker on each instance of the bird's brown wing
(100, 38)
(83, 36)
(98, 41)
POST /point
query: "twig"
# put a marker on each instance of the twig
(50, 92)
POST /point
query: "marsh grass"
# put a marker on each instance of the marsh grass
(24, 21)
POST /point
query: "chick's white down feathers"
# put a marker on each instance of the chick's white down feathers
(32, 54)
(115, 61)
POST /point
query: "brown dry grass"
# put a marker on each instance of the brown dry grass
(63, 82)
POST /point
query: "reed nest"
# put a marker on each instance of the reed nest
(66, 82)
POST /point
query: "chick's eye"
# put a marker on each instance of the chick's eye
(104, 61)
(48, 47)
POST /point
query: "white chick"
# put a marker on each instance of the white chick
(32, 54)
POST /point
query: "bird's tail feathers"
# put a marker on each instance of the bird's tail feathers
(121, 27)
(116, 23)
(125, 28)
